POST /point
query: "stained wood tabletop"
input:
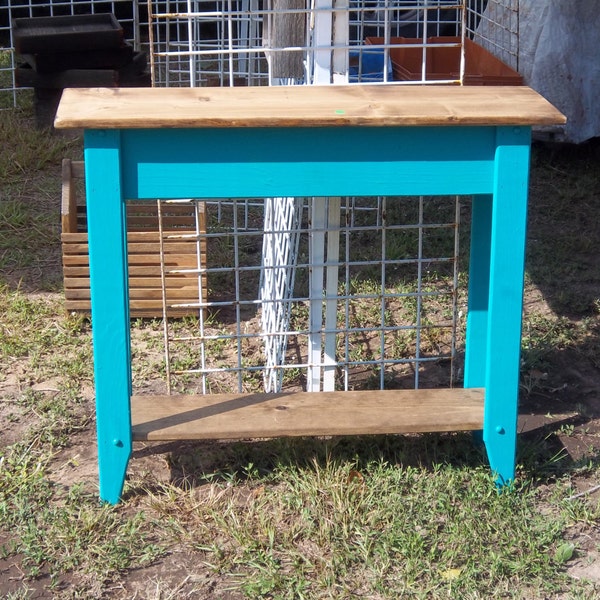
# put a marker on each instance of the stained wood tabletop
(303, 106)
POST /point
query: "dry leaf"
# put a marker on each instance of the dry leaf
(355, 477)
(451, 574)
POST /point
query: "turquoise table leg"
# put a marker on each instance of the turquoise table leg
(110, 308)
(479, 287)
(507, 260)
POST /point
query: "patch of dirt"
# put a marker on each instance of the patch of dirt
(14, 581)
(178, 575)
(586, 561)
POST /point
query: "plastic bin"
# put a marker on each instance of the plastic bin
(443, 62)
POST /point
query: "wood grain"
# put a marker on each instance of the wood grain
(234, 416)
(303, 106)
(143, 252)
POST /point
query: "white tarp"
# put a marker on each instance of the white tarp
(558, 55)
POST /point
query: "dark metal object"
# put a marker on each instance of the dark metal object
(67, 33)
(105, 58)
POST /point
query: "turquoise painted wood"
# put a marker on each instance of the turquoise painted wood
(354, 161)
(507, 269)
(110, 308)
(478, 297)
(490, 162)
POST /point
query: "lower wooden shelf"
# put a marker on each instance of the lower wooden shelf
(235, 416)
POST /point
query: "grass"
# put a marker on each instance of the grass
(28, 149)
(567, 192)
(29, 211)
(362, 518)
(372, 517)
(56, 533)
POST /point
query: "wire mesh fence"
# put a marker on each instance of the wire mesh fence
(268, 42)
(495, 26)
(373, 303)
(323, 293)
(249, 42)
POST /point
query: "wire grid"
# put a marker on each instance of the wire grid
(131, 15)
(198, 42)
(390, 278)
(269, 42)
(495, 26)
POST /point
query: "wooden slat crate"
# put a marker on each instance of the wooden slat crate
(143, 243)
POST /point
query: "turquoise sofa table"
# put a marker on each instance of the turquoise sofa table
(311, 141)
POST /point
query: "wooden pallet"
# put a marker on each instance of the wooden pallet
(143, 244)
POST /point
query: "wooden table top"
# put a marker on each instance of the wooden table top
(303, 106)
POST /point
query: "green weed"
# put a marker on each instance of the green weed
(57, 534)
(348, 529)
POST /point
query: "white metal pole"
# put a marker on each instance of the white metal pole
(331, 292)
